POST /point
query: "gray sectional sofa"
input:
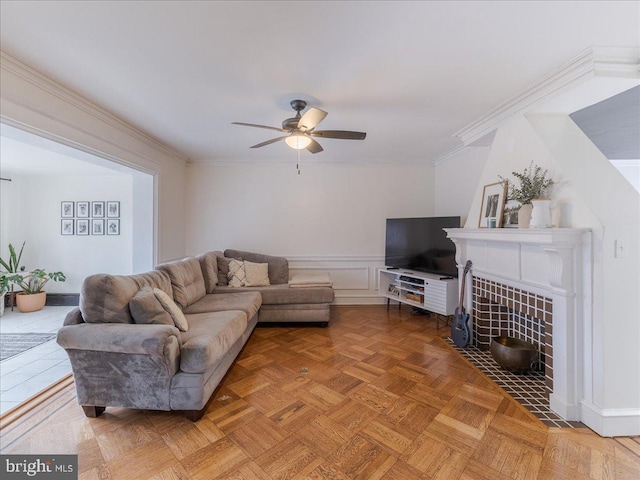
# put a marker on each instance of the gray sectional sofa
(280, 303)
(163, 340)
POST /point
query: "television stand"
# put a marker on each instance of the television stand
(426, 291)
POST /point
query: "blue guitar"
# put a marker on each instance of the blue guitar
(460, 333)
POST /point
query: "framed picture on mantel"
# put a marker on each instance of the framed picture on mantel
(493, 197)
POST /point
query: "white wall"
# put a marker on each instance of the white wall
(613, 399)
(35, 219)
(514, 147)
(143, 219)
(453, 177)
(330, 218)
(590, 193)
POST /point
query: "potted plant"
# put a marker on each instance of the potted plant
(32, 297)
(4, 288)
(533, 186)
(12, 266)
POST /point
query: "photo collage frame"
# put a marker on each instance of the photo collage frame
(90, 218)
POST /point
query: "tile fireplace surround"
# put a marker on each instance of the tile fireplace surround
(542, 278)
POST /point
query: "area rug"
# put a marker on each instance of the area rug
(12, 344)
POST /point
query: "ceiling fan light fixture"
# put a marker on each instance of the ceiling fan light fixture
(298, 142)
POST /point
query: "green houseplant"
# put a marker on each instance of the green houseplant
(9, 267)
(4, 288)
(532, 185)
(13, 264)
(32, 297)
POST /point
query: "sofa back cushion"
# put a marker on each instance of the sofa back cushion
(209, 266)
(186, 279)
(105, 298)
(278, 266)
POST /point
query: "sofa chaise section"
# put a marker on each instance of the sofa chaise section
(280, 302)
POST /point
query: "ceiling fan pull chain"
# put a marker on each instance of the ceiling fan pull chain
(298, 162)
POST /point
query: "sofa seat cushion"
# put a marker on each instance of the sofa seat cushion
(209, 338)
(284, 295)
(186, 279)
(248, 302)
(105, 298)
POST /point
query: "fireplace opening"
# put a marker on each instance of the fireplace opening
(502, 310)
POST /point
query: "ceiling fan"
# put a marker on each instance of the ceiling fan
(301, 128)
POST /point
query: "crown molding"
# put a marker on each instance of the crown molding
(594, 61)
(13, 64)
(306, 162)
(443, 157)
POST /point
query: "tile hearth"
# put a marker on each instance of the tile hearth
(529, 390)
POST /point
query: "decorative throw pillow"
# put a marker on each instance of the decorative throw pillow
(146, 308)
(223, 270)
(257, 274)
(179, 320)
(237, 275)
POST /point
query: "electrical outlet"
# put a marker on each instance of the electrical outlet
(621, 248)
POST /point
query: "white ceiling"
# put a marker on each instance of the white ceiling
(22, 153)
(410, 74)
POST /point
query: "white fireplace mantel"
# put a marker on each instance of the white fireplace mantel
(541, 259)
(555, 263)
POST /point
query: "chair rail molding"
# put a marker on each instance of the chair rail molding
(354, 277)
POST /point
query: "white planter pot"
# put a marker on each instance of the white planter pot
(541, 214)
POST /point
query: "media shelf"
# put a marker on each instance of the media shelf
(423, 290)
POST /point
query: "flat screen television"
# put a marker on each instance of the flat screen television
(421, 244)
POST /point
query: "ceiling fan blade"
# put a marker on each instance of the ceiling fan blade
(342, 134)
(269, 142)
(314, 147)
(258, 126)
(311, 118)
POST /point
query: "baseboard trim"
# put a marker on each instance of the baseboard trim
(63, 299)
(567, 411)
(611, 422)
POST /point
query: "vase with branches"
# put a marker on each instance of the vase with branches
(531, 185)
(534, 183)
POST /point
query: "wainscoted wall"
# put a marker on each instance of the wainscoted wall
(355, 278)
(331, 218)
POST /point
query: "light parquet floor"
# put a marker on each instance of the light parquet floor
(377, 395)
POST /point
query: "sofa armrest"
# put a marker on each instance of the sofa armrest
(149, 339)
(122, 365)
